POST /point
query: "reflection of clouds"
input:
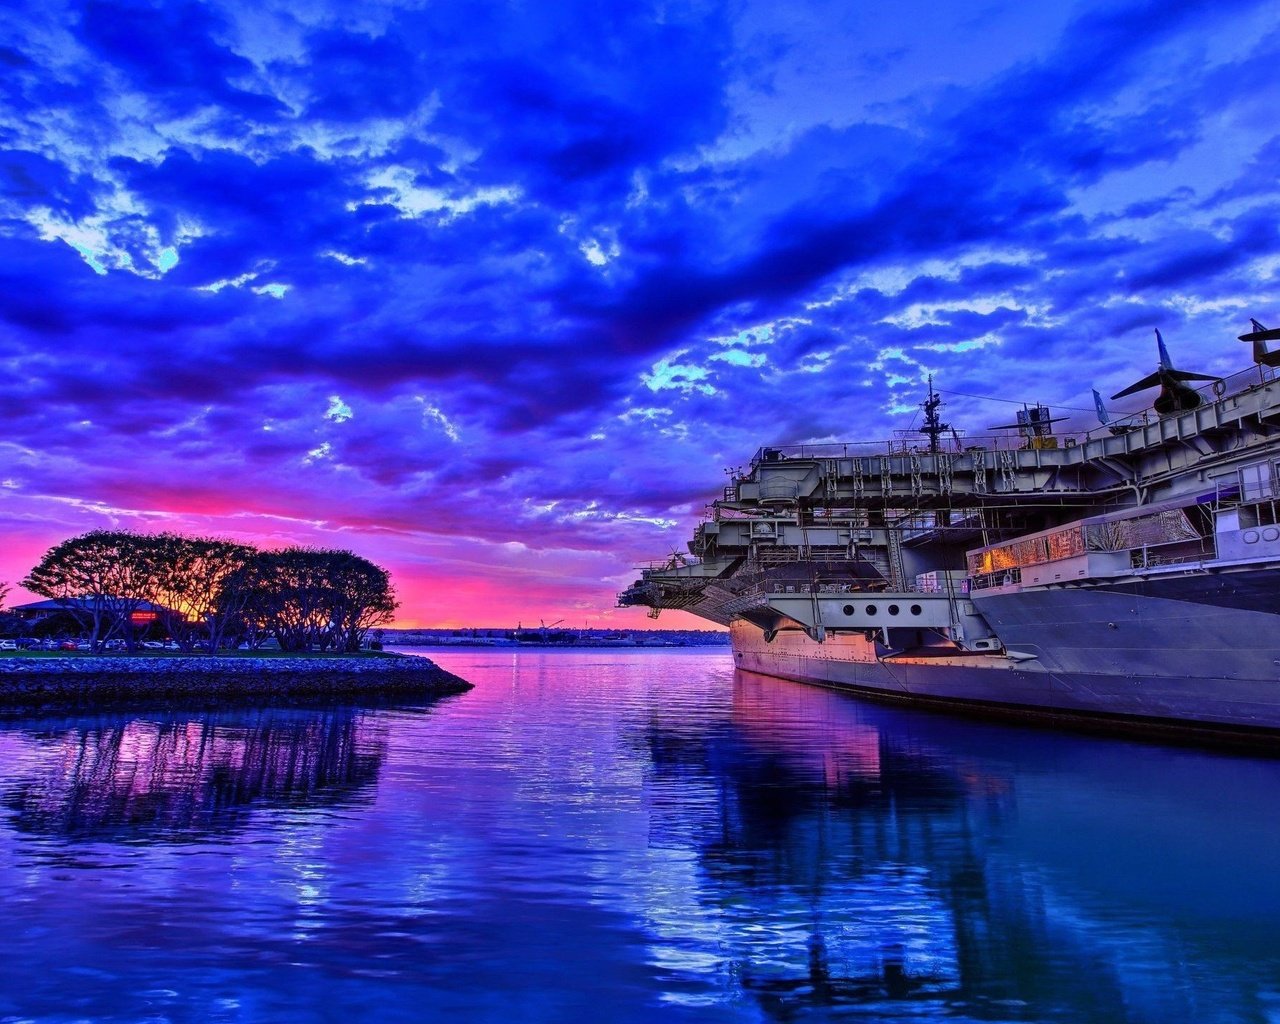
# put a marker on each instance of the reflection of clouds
(173, 777)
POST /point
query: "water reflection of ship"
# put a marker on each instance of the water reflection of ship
(864, 860)
(174, 777)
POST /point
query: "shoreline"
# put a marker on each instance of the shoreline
(91, 681)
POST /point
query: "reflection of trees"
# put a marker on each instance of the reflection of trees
(174, 776)
(854, 868)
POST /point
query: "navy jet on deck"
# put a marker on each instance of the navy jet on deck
(1260, 336)
(1174, 395)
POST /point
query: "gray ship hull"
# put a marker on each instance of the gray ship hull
(1118, 658)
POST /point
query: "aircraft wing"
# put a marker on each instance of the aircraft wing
(1149, 381)
(1260, 333)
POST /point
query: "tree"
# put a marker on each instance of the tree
(292, 599)
(10, 624)
(241, 605)
(362, 597)
(102, 578)
(311, 599)
(191, 573)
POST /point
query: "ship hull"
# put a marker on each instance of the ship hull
(1186, 669)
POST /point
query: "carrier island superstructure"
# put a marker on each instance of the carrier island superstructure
(1130, 574)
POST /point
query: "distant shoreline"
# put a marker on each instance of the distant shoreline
(91, 681)
(550, 645)
(554, 636)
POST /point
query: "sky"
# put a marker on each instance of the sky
(494, 293)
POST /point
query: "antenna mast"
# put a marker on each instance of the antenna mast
(933, 426)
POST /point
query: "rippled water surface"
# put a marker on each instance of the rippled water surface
(627, 836)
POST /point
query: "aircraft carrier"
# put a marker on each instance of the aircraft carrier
(1127, 576)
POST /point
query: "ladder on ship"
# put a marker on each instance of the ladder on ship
(894, 538)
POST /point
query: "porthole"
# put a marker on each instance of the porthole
(893, 609)
(848, 609)
(916, 609)
(871, 609)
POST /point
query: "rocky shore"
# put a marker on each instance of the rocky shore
(88, 681)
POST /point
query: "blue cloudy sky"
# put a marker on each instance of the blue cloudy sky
(492, 292)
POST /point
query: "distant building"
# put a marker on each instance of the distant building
(37, 611)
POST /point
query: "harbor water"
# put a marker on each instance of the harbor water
(627, 835)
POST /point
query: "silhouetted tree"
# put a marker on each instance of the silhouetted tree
(311, 599)
(189, 581)
(101, 578)
(297, 598)
(10, 624)
(362, 597)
